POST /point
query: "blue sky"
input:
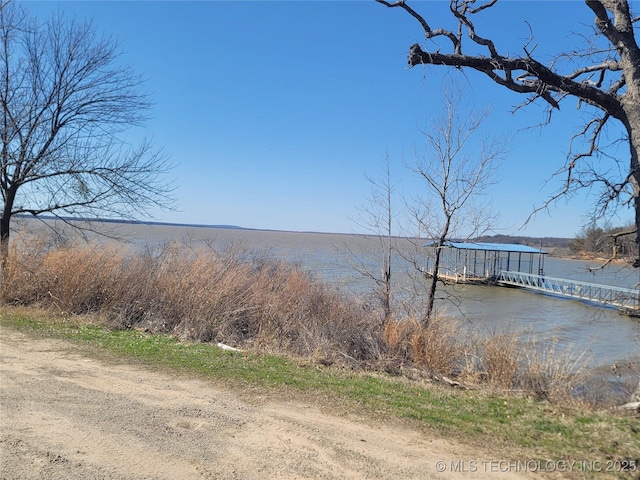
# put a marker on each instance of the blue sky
(273, 112)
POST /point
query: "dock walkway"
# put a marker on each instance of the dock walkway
(626, 299)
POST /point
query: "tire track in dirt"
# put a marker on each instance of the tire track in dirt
(64, 415)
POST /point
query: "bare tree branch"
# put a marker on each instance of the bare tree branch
(607, 80)
(66, 103)
(379, 217)
(614, 236)
(455, 178)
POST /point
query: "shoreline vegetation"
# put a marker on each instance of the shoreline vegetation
(170, 305)
(517, 427)
(243, 298)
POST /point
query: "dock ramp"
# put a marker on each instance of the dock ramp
(626, 299)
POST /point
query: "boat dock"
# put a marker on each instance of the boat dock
(514, 266)
(626, 299)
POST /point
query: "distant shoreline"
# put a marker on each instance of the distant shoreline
(545, 242)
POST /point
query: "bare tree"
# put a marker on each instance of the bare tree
(378, 218)
(606, 81)
(66, 108)
(456, 172)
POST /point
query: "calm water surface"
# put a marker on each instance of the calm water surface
(601, 334)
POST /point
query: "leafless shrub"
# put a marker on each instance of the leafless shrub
(500, 360)
(20, 284)
(436, 348)
(199, 293)
(514, 363)
(552, 375)
(71, 279)
(397, 337)
(235, 297)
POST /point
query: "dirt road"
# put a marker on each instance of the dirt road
(65, 415)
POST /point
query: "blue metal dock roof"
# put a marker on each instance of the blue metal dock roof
(493, 247)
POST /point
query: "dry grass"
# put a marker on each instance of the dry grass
(437, 348)
(515, 362)
(228, 296)
(504, 362)
(500, 360)
(552, 375)
(235, 296)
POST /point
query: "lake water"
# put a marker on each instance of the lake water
(602, 334)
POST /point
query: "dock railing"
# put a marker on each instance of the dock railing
(624, 298)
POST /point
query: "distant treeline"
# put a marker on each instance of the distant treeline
(605, 242)
(125, 221)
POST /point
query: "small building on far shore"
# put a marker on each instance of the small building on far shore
(476, 262)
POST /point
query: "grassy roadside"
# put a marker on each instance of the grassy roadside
(519, 428)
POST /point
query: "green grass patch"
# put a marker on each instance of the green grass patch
(520, 427)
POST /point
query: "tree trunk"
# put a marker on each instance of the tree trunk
(431, 299)
(5, 231)
(636, 177)
(4, 252)
(426, 319)
(386, 300)
(634, 144)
